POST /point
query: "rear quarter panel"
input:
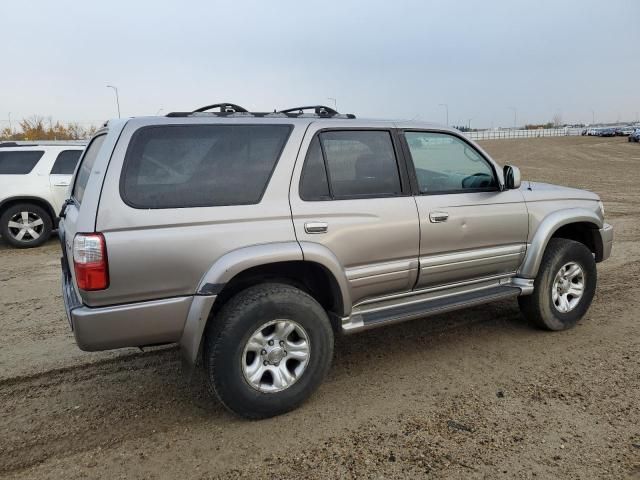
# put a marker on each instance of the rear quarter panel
(159, 253)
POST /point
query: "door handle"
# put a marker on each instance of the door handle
(438, 217)
(61, 184)
(316, 227)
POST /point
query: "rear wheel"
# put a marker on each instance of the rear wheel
(25, 225)
(267, 350)
(564, 287)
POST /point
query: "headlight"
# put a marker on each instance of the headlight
(601, 205)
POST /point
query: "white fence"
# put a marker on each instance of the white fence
(542, 132)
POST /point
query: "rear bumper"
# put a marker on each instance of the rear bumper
(130, 325)
(606, 234)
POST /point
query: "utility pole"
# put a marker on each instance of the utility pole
(335, 103)
(11, 129)
(469, 124)
(115, 89)
(593, 117)
(446, 107)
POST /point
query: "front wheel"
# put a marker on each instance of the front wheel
(267, 350)
(564, 287)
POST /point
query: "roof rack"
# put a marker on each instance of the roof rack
(231, 109)
(319, 110)
(224, 107)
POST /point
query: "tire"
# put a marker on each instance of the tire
(549, 311)
(227, 360)
(33, 215)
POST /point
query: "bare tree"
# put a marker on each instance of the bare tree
(557, 119)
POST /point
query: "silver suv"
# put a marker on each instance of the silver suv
(251, 239)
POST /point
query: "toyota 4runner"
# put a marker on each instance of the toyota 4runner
(251, 239)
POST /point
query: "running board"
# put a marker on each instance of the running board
(409, 310)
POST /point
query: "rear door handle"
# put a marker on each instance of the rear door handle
(438, 217)
(316, 227)
(61, 184)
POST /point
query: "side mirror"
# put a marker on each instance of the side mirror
(511, 177)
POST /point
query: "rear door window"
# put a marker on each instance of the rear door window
(86, 166)
(19, 162)
(348, 164)
(66, 162)
(177, 166)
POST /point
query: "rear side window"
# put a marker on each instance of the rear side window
(314, 184)
(357, 164)
(177, 166)
(19, 162)
(86, 166)
(66, 162)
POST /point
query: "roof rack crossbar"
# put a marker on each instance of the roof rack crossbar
(224, 107)
(320, 110)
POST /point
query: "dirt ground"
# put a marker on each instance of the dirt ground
(471, 394)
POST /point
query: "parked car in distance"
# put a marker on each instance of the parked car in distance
(624, 131)
(607, 132)
(34, 180)
(635, 136)
(252, 239)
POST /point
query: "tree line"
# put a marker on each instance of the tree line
(41, 128)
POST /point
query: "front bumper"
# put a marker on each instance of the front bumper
(130, 325)
(606, 234)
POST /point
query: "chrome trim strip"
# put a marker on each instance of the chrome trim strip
(425, 296)
(381, 269)
(471, 255)
(433, 289)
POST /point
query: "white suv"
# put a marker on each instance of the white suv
(34, 180)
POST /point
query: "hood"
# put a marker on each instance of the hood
(547, 191)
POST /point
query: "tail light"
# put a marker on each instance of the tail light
(90, 261)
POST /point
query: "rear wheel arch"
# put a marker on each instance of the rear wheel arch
(41, 202)
(310, 277)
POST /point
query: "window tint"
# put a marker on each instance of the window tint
(314, 184)
(361, 163)
(66, 162)
(18, 162)
(201, 165)
(88, 159)
(445, 163)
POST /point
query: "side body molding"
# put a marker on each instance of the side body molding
(545, 230)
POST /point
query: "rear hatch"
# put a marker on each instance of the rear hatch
(79, 211)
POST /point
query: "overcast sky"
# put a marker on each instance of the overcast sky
(391, 59)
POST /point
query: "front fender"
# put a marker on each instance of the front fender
(547, 227)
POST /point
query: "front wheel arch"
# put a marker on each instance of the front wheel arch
(548, 228)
